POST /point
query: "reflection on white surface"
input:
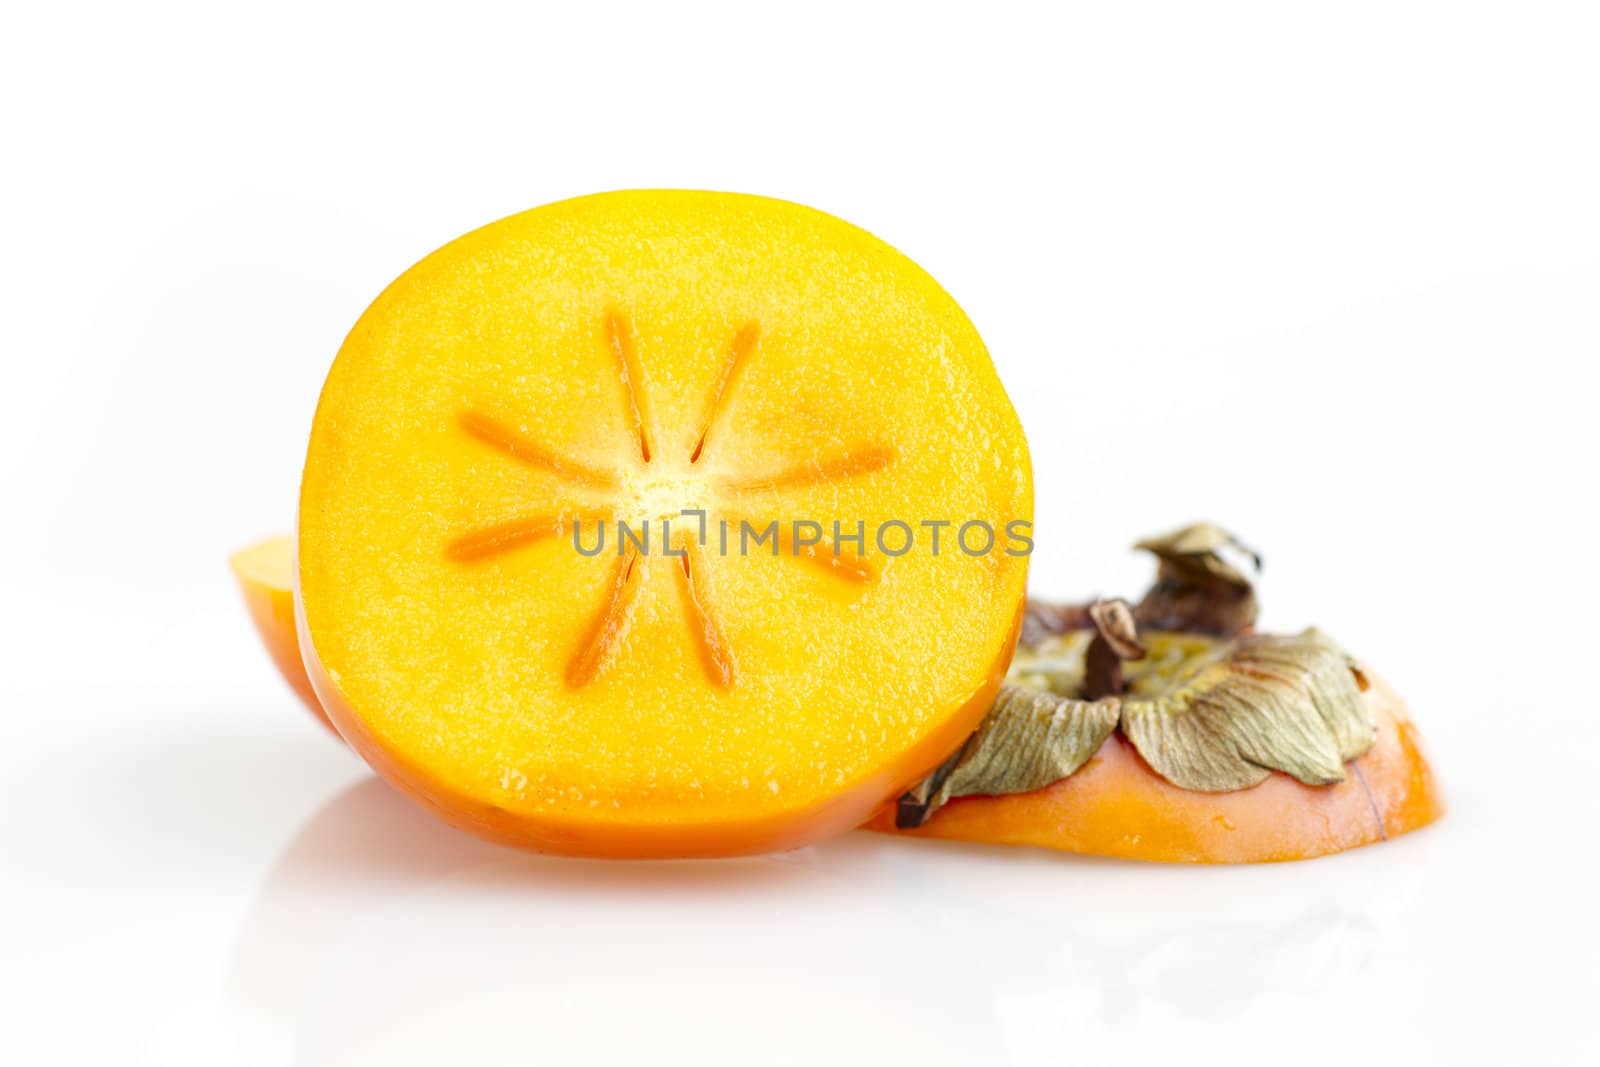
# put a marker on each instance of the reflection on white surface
(382, 936)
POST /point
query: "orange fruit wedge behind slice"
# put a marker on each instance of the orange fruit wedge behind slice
(264, 572)
(728, 376)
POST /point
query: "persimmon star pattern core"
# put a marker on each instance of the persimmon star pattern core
(597, 648)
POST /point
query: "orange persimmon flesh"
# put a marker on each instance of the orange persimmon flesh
(1115, 805)
(627, 357)
(264, 572)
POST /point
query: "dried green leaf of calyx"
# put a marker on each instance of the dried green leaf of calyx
(1230, 716)
(1031, 738)
(1197, 589)
(1196, 552)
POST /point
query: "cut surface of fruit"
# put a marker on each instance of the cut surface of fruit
(1116, 805)
(711, 388)
(265, 573)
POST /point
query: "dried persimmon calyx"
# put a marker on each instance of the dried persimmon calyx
(1206, 714)
(1209, 706)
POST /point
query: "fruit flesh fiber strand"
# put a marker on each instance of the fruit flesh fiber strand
(625, 357)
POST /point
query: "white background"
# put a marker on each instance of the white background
(1330, 276)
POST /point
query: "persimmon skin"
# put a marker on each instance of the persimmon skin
(264, 572)
(1115, 805)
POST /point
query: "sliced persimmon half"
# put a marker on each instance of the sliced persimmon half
(264, 572)
(727, 377)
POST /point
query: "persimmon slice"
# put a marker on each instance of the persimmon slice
(1117, 806)
(681, 362)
